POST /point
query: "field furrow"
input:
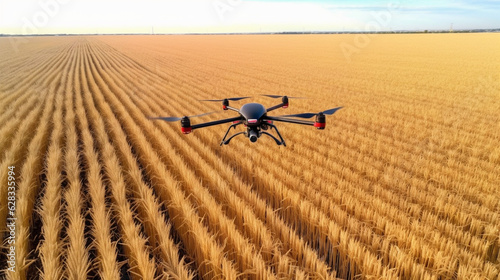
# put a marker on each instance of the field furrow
(135, 244)
(75, 252)
(50, 248)
(103, 247)
(148, 206)
(15, 105)
(29, 185)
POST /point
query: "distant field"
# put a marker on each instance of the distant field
(403, 182)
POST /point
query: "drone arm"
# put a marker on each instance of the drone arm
(232, 108)
(196, 126)
(281, 119)
(282, 105)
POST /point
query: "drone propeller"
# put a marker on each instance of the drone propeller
(310, 115)
(229, 99)
(280, 96)
(174, 119)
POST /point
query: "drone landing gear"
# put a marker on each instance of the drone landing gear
(282, 142)
(224, 141)
(275, 139)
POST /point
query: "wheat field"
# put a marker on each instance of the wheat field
(404, 182)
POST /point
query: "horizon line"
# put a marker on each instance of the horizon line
(473, 30)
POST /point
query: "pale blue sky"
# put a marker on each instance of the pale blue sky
(204, 16)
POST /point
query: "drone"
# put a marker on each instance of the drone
(255, 118)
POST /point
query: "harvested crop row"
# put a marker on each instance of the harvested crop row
(50, 247)
(13, 142)
(75, 254)
(106, 251)
(161, 230)
(134, 242)
(28, 187)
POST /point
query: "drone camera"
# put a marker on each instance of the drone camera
(253, 136)
(320, 122)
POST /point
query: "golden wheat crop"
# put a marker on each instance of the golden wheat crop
(403, 183)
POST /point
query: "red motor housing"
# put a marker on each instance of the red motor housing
(320, 122)
(284, 100)
(186, 125)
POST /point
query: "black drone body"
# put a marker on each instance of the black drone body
(254, 117)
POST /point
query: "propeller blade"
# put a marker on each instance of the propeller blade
(230, 99)
(280, 96)
(168, 119)
(174, 119)
(272, 96)
(204, 114)
(332, 111)
(310, 115)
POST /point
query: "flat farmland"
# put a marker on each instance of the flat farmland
(403, 182)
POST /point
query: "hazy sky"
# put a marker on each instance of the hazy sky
(200, 16)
